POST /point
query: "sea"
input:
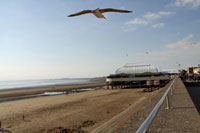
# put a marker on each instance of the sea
(14, 84)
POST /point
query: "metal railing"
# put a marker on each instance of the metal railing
(143, 128)
(2, 130)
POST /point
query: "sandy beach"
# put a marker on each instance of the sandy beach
(77, 112)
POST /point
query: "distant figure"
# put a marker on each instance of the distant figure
(98, 12)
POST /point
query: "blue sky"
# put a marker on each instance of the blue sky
(38, 40)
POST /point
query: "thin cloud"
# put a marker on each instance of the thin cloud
(137, 21)
(151, 15)
(178, 33)
(129, 29)
(194, 3)
(180, 44)
(165, 13)
(160, 25)
(181, 50)
(122, 7)
(179, 47)
(147, 19)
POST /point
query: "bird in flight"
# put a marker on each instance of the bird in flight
(99, 12)
(193, 43)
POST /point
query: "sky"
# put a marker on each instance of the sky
(38, 40)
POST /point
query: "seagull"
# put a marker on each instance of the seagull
(98, 12)
(192, 43)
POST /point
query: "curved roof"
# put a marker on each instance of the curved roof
(132, 68)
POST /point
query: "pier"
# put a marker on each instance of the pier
(149, 83)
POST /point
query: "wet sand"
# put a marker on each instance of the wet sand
(78, 112)
(19, 93)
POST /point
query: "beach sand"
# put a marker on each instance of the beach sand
(77, 112)
(26, 91)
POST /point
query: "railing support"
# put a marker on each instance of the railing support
(171, 91)
(167, 100)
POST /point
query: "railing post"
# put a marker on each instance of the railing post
(167, 100)
(171, 91)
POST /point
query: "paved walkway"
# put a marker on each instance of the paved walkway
(184, 115)
(142, 111)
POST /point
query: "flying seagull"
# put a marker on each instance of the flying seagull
(98, 12)
(192, 43)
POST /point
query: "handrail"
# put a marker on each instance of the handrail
(2, 130)
(150, 117)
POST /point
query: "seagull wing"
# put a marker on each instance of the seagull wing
(114, 10)
(80, 13)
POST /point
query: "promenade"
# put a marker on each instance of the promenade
(183, 115)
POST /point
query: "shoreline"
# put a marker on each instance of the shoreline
(26, 91)
(46, 86)
(90, 81)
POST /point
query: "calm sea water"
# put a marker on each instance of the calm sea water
(41, 82)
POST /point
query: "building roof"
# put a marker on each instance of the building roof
(133, 68)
